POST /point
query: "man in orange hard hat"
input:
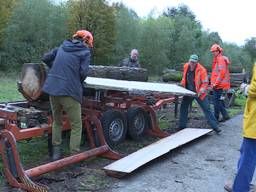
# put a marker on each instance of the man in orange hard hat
(220, 81)
(69, 66)
(195, 78)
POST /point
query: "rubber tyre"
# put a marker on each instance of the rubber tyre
(114, 127)
(137, 122)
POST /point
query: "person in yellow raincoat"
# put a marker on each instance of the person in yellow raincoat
(247, 162)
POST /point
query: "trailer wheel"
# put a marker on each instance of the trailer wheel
(114, 126)
(137, 122)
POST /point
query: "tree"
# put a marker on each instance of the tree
(97, 17)
(6, 8)
(35, 27)
(186, 42)
(127, 32)
(182, 10)
(154, 44)
(185, 39)
(250, 47)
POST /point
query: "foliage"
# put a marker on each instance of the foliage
(186, 36)
(237, 56)
(182, 10)
(154, 43)
(41, 28)
(97, 17)
(127, 32)
(172, 76)
(250, 48)
(5, 13)
(164, 41)
(240, 100)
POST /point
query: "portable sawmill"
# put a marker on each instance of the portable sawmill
(111, 110)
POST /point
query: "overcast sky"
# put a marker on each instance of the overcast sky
(234, 20)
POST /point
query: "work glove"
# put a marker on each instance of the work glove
(199, 94)
(244, 89)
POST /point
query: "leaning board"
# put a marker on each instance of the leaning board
(134, 86)
(161, 147)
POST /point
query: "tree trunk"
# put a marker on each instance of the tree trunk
(119, 73)
(33, 76)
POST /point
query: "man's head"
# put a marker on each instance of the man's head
(86, 36)
(193, 59)
(216, 49)
(134, 54)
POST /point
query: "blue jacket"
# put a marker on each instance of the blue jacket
(69, 66)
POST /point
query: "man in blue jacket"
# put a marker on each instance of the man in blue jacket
(69, 66)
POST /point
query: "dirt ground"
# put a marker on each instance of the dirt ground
(201, 165)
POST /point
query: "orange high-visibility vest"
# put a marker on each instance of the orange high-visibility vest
(201, 79)
(220, 77)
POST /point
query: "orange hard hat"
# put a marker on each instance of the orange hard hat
(86, 36)
(216, 47)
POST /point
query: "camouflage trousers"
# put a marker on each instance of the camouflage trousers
(73, 110)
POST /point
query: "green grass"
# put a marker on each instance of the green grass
(240, 100)
(239, 105)
(163, 123)
(8, 88)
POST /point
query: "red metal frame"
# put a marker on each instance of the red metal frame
(91, 112)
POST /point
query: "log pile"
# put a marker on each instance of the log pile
(236, 79)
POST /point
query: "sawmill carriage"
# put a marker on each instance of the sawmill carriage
(111, 110)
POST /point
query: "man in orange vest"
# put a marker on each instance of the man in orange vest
(220, 81)
(195, 78)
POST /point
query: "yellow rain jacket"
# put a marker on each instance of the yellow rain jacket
(249, 129)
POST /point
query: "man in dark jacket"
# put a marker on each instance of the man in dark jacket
(69, 65)
(195, 79)
(132, 61)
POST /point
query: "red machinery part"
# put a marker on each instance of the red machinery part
(91, 113)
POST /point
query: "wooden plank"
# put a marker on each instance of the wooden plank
(161, 147)
(135, 86)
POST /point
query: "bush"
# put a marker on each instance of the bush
(172, 76)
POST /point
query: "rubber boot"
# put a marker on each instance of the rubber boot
(56, 153)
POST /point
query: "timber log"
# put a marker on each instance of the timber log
(33, 76)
